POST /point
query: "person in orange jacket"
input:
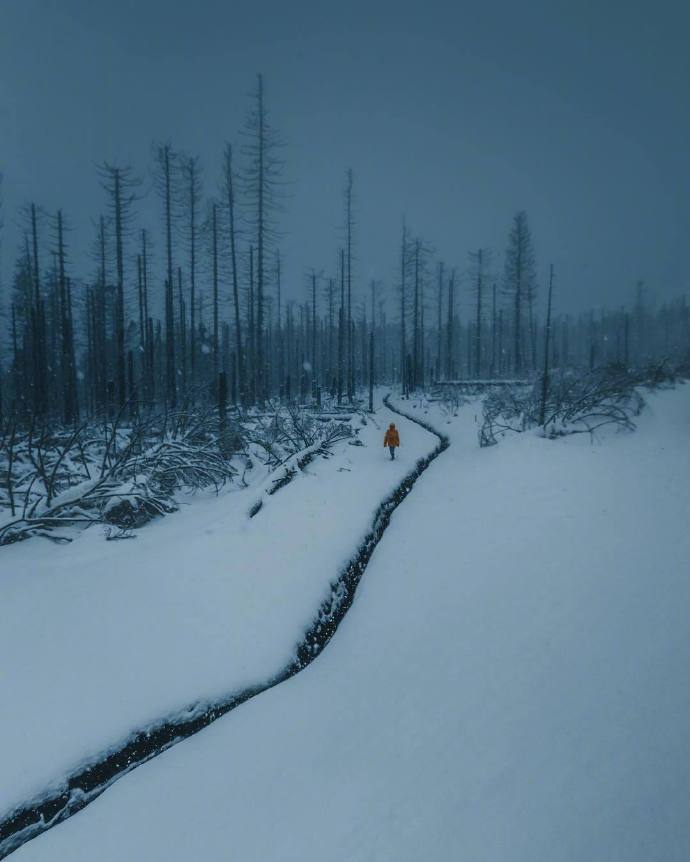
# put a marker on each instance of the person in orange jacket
(392, 439)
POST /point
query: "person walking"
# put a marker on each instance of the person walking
(391, 439)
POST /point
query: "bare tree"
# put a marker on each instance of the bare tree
(67, 358)
(403, 303)
(120, 184)
(547, 345)
(349, 229)
(214, 285)
(479, 261)
(440, 318)
(2, 415)
(519, 282)
(493, 330)
(163, 179)
(450, 364)
(341, 328)
(229, 195)
(38, 324)
(261, 179)
(189, 194)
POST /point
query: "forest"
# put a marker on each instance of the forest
(166, 355)
(344, 421)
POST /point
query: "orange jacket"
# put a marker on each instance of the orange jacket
(392, 437)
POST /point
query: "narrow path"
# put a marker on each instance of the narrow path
(86, 784)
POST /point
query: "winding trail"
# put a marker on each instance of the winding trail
(86, 784)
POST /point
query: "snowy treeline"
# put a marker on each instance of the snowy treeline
(195, 318)
(140, 378)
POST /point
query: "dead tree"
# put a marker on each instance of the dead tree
(261, 178)
(449, 327)
(67, 355)
(493, 330)
(119, 184)
(519, 282)
(440, 319)
(38, 329)
(229, 194)
(478, 261)
(341, 328)
(214, 284)
(547, 340)
(165, 165)
(349, 226)
(403, 299)
(189, 194)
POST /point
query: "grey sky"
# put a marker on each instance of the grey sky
(454, 114)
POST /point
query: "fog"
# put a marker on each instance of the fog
(451, 115)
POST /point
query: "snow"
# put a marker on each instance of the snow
(101, 638)
(510, 683)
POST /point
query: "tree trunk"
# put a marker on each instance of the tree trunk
(547, 339)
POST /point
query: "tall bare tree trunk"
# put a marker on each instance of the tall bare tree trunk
(547, 340)
(341, 327)
(403, 339)
(350, 341)
(120, 302)
(260, 248)
(239, 349)
(449, 327)
(214, 249)
(170, 363)
(440, 319)
(39, 334)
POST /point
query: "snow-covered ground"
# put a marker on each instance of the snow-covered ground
(100, 638)
(510, 683)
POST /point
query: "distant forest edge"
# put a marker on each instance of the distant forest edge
(210, 313)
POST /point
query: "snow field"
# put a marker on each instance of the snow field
(509, 684)
(100, 638)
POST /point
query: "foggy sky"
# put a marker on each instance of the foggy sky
(452, 114)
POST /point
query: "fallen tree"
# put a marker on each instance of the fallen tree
(125, 471)
(117, 473)
(574, 402)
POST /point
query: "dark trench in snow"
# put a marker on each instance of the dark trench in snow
(85, 784)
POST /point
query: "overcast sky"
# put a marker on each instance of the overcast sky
(453, 114)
